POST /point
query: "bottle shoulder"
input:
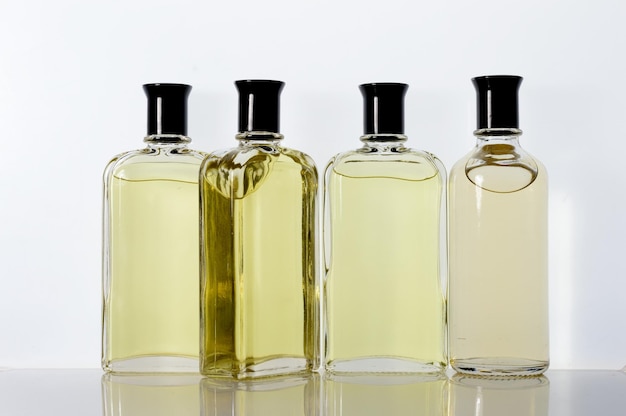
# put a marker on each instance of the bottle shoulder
(499, 167)
(151, 162)
(248, 156)
(407, 163)
(159, 155)
(240, 171)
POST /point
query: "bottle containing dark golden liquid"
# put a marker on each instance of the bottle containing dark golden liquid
(259, 300)
(498, 265)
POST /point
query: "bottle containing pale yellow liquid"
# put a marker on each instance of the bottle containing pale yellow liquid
(498, 247)
(384, 240)
(151, 221)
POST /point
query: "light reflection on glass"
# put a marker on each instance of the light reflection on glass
(396, 395)
(135, 395)
(283, 396)
(475, 396)
(307, 395)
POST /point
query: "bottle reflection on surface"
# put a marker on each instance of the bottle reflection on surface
(396, 395)
(474, 396)
(141, 395)
(283, 396)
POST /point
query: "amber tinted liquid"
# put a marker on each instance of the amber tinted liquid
(259, 295)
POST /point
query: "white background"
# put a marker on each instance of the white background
(71, 98)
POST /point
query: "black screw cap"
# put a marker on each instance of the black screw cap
(167, 108)
(259, 105)
(383, 107)
(496, 101)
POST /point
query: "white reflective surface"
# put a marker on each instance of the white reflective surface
(89, 392)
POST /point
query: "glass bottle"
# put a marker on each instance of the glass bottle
(498, 291)
(259, 300)
(384, 235)
(150, 257)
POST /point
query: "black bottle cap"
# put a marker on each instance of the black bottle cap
(496, 101)
(383, 107)
(167, 108)
(259, 105)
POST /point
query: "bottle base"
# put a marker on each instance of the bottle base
(500, 366)
(383, 365)
(269, 368)
(153, 365)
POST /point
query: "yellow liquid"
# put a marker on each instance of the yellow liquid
(498, 291)
(384, 300)
(259, 302)
(151, 305)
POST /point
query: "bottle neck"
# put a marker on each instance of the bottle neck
(497, 135)
(384, 142)
(258, 138)
(167, 140)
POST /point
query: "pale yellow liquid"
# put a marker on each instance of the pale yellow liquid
(259, 313)
(151, 306)
(384, 300)
(385, 395)
(498, 291)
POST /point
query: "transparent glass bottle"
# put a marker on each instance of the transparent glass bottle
(498, 264)
(384, 238)
(150, 255)
(259, 300)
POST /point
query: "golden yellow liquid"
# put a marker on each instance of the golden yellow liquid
(151, 300)
(498, 291)
(385, 395)
(258, 286)
(384, 299)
